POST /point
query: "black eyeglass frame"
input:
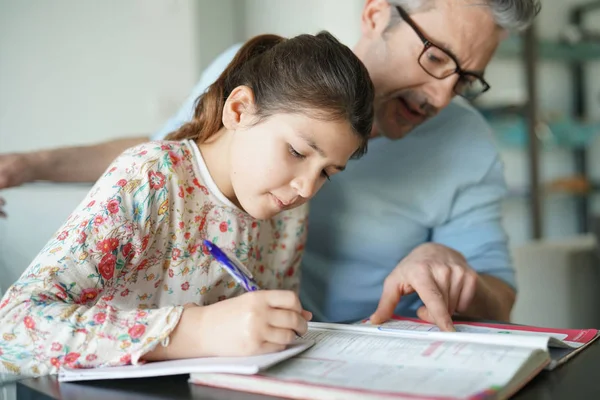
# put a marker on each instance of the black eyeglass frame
(427, 44)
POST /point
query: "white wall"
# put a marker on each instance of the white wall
(288, 18)
(81, 71)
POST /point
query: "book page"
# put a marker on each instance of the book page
(402, 365)
(389, 329)
(574, 338)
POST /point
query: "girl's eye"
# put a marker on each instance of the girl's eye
(295, 153)
(326, 175)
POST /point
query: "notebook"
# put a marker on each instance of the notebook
(364, 361)
(233, 365)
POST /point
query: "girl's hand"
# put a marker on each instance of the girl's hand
(254, 323)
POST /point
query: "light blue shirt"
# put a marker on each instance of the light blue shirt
(443, 183)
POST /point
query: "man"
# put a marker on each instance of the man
(419, 215)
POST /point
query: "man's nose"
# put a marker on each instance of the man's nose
(442, 91)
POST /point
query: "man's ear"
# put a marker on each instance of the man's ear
(375, 17)
(239, 109)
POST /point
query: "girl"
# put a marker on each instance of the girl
(126, 277)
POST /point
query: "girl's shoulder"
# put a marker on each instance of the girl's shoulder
(174, 157)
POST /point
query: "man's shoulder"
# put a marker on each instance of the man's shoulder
(460, 118)
(218, 65)
(459, 129)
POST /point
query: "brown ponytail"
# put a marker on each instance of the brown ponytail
(311, 74)
(208, 114)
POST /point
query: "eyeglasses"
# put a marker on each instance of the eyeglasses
(440, 64)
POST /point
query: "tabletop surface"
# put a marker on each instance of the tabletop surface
(578, 378)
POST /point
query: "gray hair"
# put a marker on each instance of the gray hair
(512, 15)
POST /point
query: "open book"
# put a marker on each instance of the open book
(364, 361)
(233, 365)
(563, 343)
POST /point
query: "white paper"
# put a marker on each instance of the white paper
(402, 365)
(238, 365)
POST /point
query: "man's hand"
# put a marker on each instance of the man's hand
(15, 170)
(441, 277)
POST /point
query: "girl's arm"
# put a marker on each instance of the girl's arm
(60, 311)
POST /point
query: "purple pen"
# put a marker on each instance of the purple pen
(233, 266)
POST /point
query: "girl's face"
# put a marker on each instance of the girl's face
(282, 161)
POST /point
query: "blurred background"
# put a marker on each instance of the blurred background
(84, 71)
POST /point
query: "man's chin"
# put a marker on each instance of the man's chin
(397, 133)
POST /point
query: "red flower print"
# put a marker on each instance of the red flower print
(187, 235)
(176, 254)
(83, 224)
(100, 318)
(141, 314)
(62, 293)
(71, 357)
(142, 264)
(107, 245)
(107, 266)
(91, 357)
(91, 203)
(136, 331)
(290, 271)
(113, 169)
(63, 235)
(189, 189)
(157, 180)
(181, 194)
(55, 361)
(205, 250)
(113, 206)
(29, 322)
(107, 298)
(122, 182)
(261, 269)
(98, 220)
(165, 147)
(223, 226)
(171, 273)
(254, 224)
(181, 225)
(201, 187)
(81, 238)
(127, 249)
(56, 346)
(145, 242)
(87, 295)
(124, 293)
(185, 286)
(174, 158)
(142, 153)
(126, 359)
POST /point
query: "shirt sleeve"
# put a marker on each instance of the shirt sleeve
(475, 227)
(209, 76)
(60, 311)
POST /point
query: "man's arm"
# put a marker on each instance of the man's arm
(494, 299)
(68, 164)
(466, 268)
(475, 230)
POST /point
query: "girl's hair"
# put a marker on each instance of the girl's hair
(313, 75)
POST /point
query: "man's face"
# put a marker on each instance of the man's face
(406, 95)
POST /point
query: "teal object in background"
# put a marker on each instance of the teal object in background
(512, 132)
(552, 50)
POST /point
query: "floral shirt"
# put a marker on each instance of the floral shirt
(111, 284)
